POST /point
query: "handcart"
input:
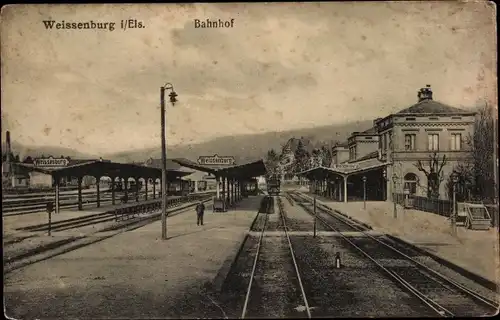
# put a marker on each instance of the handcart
(474, 216)
(219, 205)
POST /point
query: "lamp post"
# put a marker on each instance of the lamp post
(454, 178)
(364, 192)
(173, 100)
(394, 180)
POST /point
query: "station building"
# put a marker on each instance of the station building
(387, 154)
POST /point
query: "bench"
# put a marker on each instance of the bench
(132, 210)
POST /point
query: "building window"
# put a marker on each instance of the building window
(352, 153)
(410, 142)
(433, 142)
(456, 141)
(410, 183)
(385, 141)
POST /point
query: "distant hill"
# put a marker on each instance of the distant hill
(37, 151)
(246, 148)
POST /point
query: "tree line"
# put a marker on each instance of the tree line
(476, 175)
(302, 155)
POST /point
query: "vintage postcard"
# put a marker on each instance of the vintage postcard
(250, 160)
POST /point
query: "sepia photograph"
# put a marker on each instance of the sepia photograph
(250, 160)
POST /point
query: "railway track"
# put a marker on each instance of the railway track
(30, 256)
(13, 207)
(275, 277)
(88, 220)
(444, 296)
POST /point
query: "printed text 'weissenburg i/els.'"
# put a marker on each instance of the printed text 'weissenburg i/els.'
(92, 25)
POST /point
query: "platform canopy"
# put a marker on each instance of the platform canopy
(193, 165)
(245, 171)
(106, 168)
(346, 170)
(242, 171)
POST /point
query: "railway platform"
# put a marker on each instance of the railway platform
(24, 239)
(136, 274)
(476, 251)
(13, 223)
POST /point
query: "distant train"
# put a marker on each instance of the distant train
(251, 188)
(175, 187)
(202, 186)
(273, 186)
(178, 187)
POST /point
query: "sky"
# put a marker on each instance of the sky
(282, 66)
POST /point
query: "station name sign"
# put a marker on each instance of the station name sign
(216, 160)
(51, 162)
(345, 166)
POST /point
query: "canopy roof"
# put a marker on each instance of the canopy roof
(110, 169)
(242, 171)
(323, 172)
(246, 171)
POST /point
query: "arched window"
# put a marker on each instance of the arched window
(410, 182)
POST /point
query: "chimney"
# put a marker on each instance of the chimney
(6, 168)
(7, 143)
(425, 93)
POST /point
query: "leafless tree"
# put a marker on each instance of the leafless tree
(477, 172)
(433, 173)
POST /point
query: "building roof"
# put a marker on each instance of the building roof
(431, 107)
(371, 155)
(244, 171)
(247, 170)
(368, 132)
(321, 172)
(105, 168)
(156, 163)
(71, 161)
(372, 130)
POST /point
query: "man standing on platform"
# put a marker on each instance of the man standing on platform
(200, 211)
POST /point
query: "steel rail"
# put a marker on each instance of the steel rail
(247, 297)
(434, 306)
(458, 286)
(15, 262)
(282, 214)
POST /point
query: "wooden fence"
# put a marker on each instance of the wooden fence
(442, 207)
(437, 206)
